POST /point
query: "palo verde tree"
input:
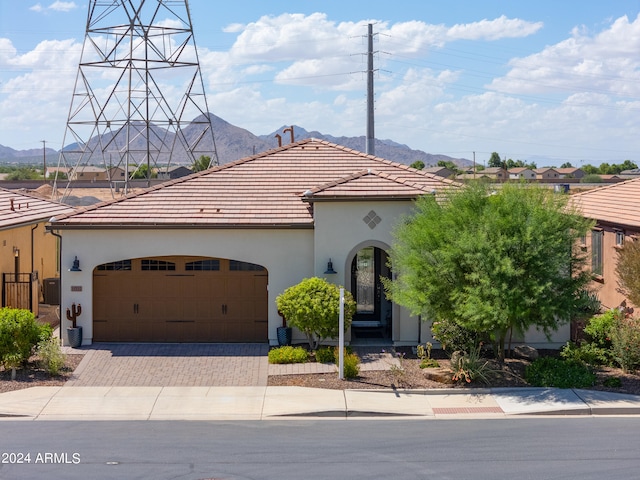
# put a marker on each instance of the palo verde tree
(313, 307)
(493, 262)
(628, 270)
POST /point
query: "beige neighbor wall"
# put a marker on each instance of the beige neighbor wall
(287, 254)
(43, 260)
(340, 232)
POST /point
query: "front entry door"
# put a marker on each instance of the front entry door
(373, 310)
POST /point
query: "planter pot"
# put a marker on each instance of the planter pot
(74, 337)
(284, 336)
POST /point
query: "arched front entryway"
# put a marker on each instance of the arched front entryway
(373, 319)
(180, 299)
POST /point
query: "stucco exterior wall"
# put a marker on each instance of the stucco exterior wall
(606, 285)
(286, 254)
(37, 250)
(340, 232)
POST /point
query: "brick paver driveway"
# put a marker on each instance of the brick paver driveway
(171, 365)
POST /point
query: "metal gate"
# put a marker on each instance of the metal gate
(20, 290)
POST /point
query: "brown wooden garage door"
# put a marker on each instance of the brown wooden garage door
(180, 299)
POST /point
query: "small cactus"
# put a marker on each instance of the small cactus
(74, 313)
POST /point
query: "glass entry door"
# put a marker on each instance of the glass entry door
(373, 310)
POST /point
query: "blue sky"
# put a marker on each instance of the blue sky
(547, 81)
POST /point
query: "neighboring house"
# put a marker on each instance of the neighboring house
(616, 210)
(521, 173)
(572, 172)
(28, 254)
(52, 171)
(202, 259)
(177, 171)
(546, 174)
(443, 172)
(92, 174)
(497, 173)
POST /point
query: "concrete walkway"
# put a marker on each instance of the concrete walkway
(280, 403)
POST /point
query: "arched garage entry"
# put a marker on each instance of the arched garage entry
(180, 299)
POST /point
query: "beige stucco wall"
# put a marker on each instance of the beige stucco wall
(340, 232)
(42, 260)
(286, 254)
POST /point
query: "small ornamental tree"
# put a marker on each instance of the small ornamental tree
(313, 307)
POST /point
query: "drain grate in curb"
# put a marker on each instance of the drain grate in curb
(467, 410)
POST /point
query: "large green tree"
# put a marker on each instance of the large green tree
(496, 161)
(493, 261)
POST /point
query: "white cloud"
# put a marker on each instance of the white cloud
(496, 29)
(36, 8)
(608, 62)
(59, 6)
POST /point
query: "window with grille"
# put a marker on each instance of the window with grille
(209, 265)
(119, 265)
(155, 265)
(237, 266)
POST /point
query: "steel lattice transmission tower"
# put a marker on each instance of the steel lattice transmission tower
(138, 102)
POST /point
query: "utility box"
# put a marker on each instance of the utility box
(51, 291)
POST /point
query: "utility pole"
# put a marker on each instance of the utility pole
(44, 160)
(370, 145)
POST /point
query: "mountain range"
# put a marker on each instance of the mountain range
(233, 143)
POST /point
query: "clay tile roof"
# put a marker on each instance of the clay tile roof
(17, 208)
(371, 184)
(262, 190)
(618, 203)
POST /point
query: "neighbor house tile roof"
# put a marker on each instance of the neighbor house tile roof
(616, 204)
(17, 208)
(265, 190)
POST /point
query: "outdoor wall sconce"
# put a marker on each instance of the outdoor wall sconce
(76, 265)
(330, 270)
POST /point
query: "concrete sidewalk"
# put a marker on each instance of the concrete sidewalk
(278, 403)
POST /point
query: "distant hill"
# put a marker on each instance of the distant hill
(387, 149)
(233, 143)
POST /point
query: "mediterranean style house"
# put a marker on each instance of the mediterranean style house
(616, 211)
(203, 257)
(28, 254)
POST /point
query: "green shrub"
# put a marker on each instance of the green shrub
(313, 307)
(288, 354)
(325, 355)
(598, 328)
(612, 382)
(588, 353)
(51, 357)
(19, 335)
(351, 365)
(330, 354)
(625, 340)
(454, 337)
(555, 372)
